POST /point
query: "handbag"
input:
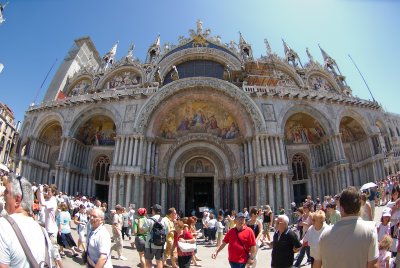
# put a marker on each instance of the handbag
(186, 247)
(31, 259)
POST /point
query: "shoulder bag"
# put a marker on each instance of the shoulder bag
(31, 259)
(241, 243)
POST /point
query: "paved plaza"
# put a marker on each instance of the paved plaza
(204, 253)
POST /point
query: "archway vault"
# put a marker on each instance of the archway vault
(199, 145)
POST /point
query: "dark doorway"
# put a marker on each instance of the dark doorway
(102, 192)
(299, 192)
(199, 193)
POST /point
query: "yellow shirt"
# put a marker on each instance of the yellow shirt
(170, 230)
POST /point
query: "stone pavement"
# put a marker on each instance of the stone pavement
(204, 253)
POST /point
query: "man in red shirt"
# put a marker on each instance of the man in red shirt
(242, 244)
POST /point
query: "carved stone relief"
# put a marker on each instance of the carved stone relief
(268, 112)
(130, 113)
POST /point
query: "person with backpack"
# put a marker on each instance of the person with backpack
(155, 241)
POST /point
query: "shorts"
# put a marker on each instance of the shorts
(140, 243)
(168, 248)
(266, 226)
(219, 236)
(150, 254)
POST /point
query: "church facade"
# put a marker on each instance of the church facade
(203, 123)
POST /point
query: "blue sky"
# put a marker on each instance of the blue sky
(36, 32)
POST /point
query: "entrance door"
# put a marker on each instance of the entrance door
(199, 193)
(299, 192)
(102, 192)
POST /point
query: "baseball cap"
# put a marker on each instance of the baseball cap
(240, 215)
(142, 211)
(156, 208)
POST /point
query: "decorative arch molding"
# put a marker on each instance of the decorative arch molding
(194, 153)
(92, 110)
(129, 67)
(219, 85)
(200, 142)
(369, 128)
(285, 67)
(76, 79)
(310, 111)
(379, 120)
(198, 53)
(45, 119)
(322, 73)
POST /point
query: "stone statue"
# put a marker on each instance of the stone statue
(130, 51)
(227, 73)
(1, 12)
(199, 27)
(157, 76)
(174, 73)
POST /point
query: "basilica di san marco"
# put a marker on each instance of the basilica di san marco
(204, 123)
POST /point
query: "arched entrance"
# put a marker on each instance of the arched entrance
(101, 178)
(199, 183)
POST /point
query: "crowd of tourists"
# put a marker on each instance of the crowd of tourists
(333, 231)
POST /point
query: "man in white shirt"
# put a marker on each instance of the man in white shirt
(19, 199)
(50, 209)
(351, 242)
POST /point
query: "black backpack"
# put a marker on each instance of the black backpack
(157, 233)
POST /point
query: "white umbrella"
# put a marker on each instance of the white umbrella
(367, 186)
(4, 168)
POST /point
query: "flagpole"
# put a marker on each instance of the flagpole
(365, 82)
(37, 93)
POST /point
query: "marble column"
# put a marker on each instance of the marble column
(273, 151)
(250, 155)
(116, 151)
(286, 195)
(260, 157)
(278, 190)
(114, 191)
(262, 188)
(67, 183)
(271, 196)
(163, 193)
(128, 190)
(135, 151)
(268, 151)
(263, 154)
(140, 163)
(137, 191)
(149, 145)
(277, 151)
(283, 154)
(236, 194)
(246, 165)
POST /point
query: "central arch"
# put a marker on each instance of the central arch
(214, 154)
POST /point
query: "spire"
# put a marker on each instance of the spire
(241, 40)
(268, 47)
(291, 55)
(245, 48)
(154, 50)
(130, 51)
(309, 55)
(109, 57)
(329, 62)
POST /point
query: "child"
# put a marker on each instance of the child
(220, 230)
(384, 227)
(384, 253)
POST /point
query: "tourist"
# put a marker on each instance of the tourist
(117, 233)
(246, 213)
(81, 220)
(334, 214)
(313, 234)
(220, 230)
(64, 237)
(98, 241)
(212, 229)
(365, 211)
(352, 242)
(242, 244)
(384, 226)
(384, 253)
(125, 224)
(184, 258)
(284, 244)
(151, 250)
(231, 220)
(204, 220)
(18, 203)
(256, 226)
(141, 235)
(49, 207)
(170, 219)
(195, 233)
(268, 218)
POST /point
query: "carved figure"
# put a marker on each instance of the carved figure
(199, 27)
(268, 47)
(174, 73)
(157, 76)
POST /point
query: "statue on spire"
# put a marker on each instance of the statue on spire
(2, 19)
(199, 27)
(245, 48)
(291, 55)
(109, 57)
(329, 62)
(154, 50)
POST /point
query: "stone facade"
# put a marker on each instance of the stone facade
(203, 123)
(8, 136)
